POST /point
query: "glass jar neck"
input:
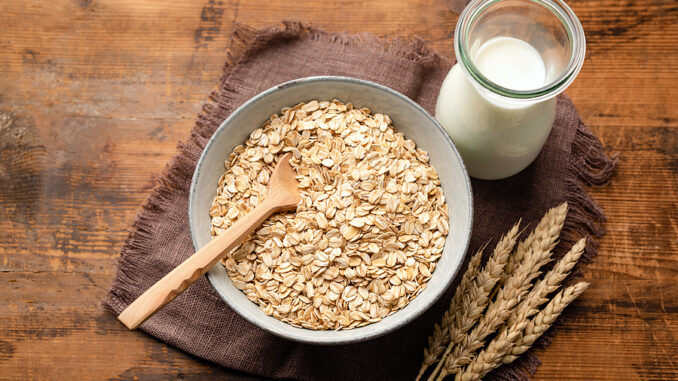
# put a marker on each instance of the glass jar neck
(550, 24)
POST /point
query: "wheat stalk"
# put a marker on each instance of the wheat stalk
(511, 293)
(502, 294)
(544, 319)
(550, 282)
(491, 357)
(510, 343)
(496, 314)
(524, 246)
(474, 304)
(438, 341)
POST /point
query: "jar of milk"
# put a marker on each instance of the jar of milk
(498, 102)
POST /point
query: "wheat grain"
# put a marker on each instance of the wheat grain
(550, 283)
(491, 357)
(495, 315)
(510, 343)
(515, 301)
(544, 319)
(511, 293)
(474, 304)
(484, 284)
(542, 228)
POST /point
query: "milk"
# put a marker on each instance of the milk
(495, 136)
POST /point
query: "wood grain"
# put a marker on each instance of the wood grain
(101, 92)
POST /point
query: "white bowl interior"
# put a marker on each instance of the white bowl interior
(409, 119)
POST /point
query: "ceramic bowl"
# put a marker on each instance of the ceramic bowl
(408, 118)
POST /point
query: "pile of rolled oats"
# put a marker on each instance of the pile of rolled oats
(367, 234)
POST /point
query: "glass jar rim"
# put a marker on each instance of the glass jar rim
(575, 33)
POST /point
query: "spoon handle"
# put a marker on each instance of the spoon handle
(177, 280)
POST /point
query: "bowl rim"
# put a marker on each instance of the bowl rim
(398, 323)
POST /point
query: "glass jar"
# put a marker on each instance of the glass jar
(498, 102)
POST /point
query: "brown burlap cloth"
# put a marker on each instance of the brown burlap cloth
(200, 323)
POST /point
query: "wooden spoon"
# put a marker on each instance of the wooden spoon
(283, 194)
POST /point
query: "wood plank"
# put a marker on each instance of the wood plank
(111, 59)
(617, 330)
(54, 328)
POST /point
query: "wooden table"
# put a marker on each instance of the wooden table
(101, 91)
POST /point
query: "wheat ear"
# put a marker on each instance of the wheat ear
(440, 337)
(474, 305)
(526, 244)
(511, 293)
(510, 343)
(548, 284)
(544, 319)
(492, 356)
(477, 299)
